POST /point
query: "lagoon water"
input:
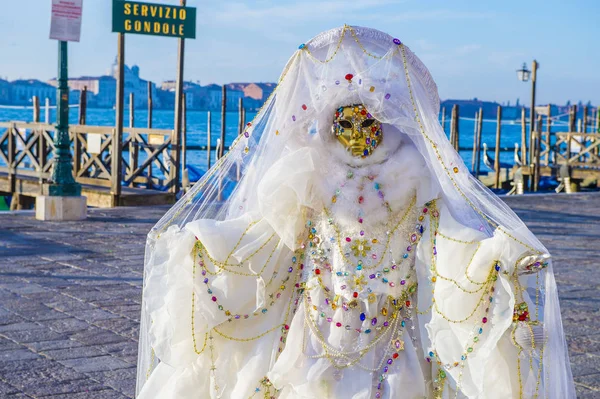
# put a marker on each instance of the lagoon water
(197, 129)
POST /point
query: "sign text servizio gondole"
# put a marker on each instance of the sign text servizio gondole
(154, 19)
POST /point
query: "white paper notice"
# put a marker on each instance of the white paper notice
(66, 20)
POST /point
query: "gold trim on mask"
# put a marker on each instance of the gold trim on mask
(357, 130)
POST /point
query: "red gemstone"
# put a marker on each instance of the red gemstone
(304, 107)
(338, 324)
(374, 129)
(287, 327)
(349, 76)
(214, 299)
(408, 303)
(348, 239)
(424, 210)
(363, 112)
(484, 320)
(361, 199)
(317, 271)
(355, 294)
(395, 356)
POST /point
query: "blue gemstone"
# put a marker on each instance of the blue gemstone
(431, 354)
(497, 267)
(405, 256)
(403, 323)
(301, 46)
(366, 152)
(385, 280)
(339, 273)
(367, 331)
(359, 267)
(362, 317)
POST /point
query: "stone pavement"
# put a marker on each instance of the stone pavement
(70, 295)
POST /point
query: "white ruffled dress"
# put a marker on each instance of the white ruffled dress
(380, 293)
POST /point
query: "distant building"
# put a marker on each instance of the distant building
(193, 94)
(255, 94)
(102, 90)
(5, 92)
(136, 85)
(22, 91)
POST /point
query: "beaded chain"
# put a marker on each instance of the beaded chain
(361, 245)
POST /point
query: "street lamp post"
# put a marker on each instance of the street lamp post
(61, 199)
(62, 181)
(524, 74)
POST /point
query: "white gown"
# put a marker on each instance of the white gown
(358, 299)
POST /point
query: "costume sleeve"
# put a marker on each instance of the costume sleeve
(477, 292)
(213, 273)
(236, 274)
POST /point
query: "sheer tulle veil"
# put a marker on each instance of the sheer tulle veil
(349, 65)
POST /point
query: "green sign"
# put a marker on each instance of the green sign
(154, 19)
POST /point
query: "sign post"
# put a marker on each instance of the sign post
(159, 20)
(61, 199)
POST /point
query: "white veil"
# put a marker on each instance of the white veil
(350, 65)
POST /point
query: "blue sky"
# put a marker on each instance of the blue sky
(471, 47)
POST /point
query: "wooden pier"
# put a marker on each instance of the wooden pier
(572, 156)
(147, 159)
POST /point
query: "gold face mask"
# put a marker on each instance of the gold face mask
(357, 130)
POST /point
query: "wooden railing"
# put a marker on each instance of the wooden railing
(578, 150)
(149, 157)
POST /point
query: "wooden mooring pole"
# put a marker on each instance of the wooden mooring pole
(444, 119)
(149, 181)
(131, 110)
(184, 133)
(523, 137)
(47, 111)
(117, 139)
(176, 166)
(82, 106)
(454, 135)
(223, 110)
(479, 134)
(240, 116)
(538, 146)
(36, 109)
(133, 148)
(497, 150)
(474, 154)
(208, 134)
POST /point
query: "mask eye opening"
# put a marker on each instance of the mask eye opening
(368, 122)
(345, 124)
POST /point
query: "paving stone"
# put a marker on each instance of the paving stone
(102, 363)
(33, 335)
(104, 394)
(86, 352)
(17, 354)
